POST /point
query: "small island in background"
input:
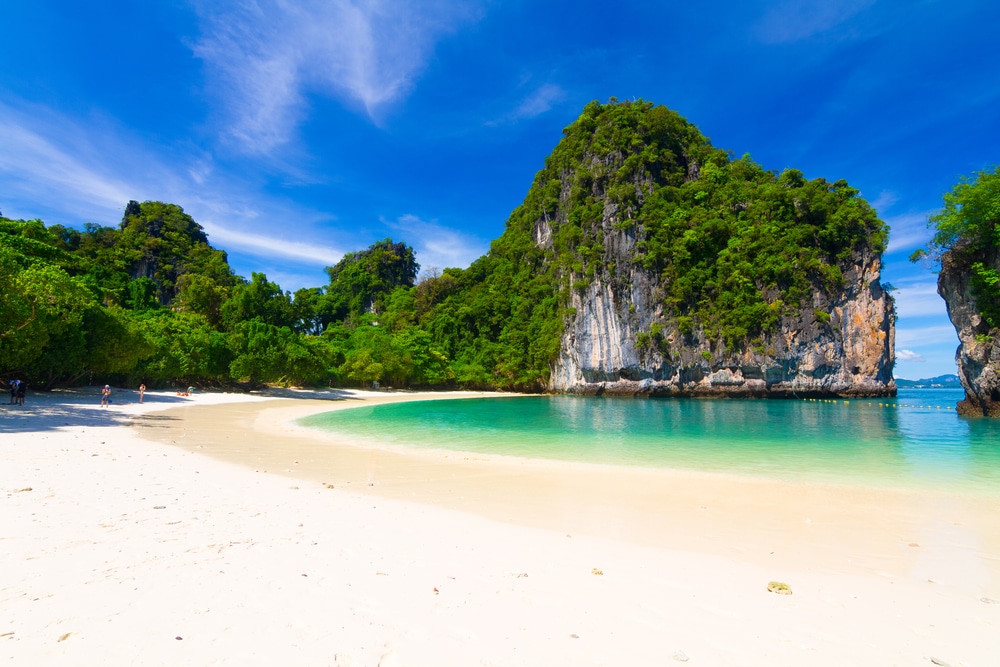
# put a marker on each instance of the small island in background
(946, 381)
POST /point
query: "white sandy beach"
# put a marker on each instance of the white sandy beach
(211, 531)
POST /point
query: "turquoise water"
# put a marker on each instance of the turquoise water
(914, 440)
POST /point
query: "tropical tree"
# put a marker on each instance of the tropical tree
(968, 227)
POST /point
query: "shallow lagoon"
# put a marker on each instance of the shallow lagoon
(914, 440)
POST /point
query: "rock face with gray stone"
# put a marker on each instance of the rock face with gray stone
(607, 347)
(978, 354)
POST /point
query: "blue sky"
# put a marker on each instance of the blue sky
(295, 131)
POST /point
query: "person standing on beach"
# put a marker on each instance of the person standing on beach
(105, 396)
(22, 387)
(142, 390)
(13, 390)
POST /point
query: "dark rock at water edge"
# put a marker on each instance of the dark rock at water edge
(978, 354)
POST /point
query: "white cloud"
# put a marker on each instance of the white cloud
(795, 20)
(45, 159)
(910, 355)
(436, 245)
(267, 246)
(920, 299)
(922, 336)
(264, 58)
(539, 101)
(885, 201)
(58, 169)
(908, 231)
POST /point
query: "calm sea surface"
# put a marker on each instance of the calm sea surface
(914, 440)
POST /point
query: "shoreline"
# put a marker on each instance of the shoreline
(128, 551)
(602, 500)
(854, 478)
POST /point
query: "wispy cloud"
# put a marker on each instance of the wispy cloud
(264, 58)
(258, 244)
(46, 159)
(537, 102)
(58, 169)
(920, 300)
(910, 355)
(923, 336)
(795, 20)
(436, 245)
(884, 202)
(908, 231)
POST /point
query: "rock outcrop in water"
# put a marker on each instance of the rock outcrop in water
(645, 260)
(978, 354)
(850, 354)
(689, 273)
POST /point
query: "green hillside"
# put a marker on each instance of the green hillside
(732, 245)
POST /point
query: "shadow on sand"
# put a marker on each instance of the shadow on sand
(49, 411)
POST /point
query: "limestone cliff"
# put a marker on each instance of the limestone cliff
(978, 354)
(686, 272)
(604, 348)
(645, 260)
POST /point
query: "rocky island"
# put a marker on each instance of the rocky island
(685, 272)
(978, 354)
(967, 244)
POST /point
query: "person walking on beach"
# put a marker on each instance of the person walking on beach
(105, 396)
(22, 388)
(142, 390)
(13, 390)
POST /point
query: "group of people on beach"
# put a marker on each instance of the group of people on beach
(106, 394)
(18, 388)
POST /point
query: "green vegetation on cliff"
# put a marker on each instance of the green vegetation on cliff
(732, 245)
(968, 227)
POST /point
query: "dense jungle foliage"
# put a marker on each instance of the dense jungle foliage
(733, 245)
(968, 227)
